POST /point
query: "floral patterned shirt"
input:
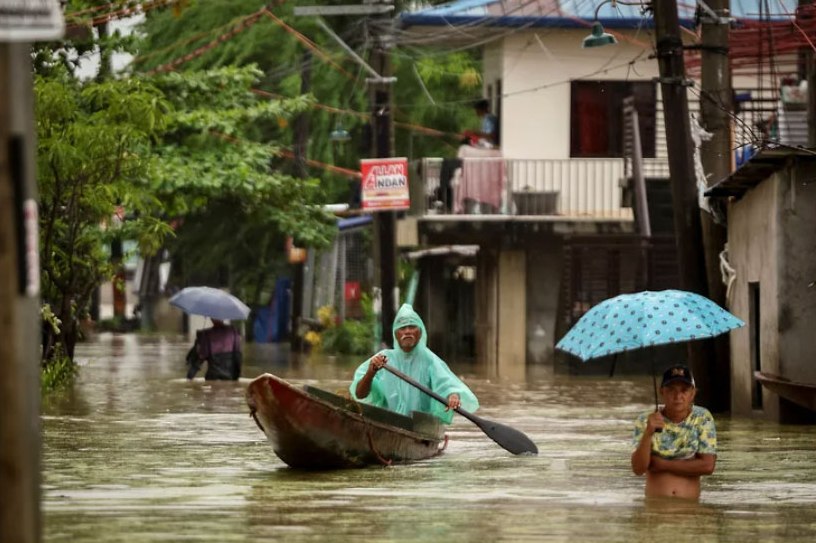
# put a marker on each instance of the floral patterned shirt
(683, 440)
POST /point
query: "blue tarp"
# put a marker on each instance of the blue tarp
(352, 222)
(271, 323)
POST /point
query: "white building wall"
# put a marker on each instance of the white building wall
(492, 67)
(538, 66)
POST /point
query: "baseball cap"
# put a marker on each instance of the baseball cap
(678, 372)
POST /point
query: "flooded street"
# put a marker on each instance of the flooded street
(135, 453)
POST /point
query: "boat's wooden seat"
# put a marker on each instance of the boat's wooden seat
(422, 423)
(425, 423)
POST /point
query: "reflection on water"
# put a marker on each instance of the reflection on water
(136, 453)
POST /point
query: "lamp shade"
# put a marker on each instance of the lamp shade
(598, 37)
(339, 135)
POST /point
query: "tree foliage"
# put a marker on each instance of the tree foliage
(433, 90)
(196, 150)
(201, 144)
(217, 172)
(94, 156)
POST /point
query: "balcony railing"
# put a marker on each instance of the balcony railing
(568, 188)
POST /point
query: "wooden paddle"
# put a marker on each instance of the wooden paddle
(508, 438)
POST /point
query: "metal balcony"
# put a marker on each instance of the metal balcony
(568, 188)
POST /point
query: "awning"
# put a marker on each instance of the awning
(353, 222)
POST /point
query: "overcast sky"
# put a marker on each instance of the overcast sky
(89, 65)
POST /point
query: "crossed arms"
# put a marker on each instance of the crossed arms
(643, 460)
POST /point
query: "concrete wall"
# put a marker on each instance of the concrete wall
(771, 241)
(797, 300)
(544, 270)
(501, 313)
(512, 314)
(753, 241)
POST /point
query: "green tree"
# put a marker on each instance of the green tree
(94, 156)
(434, 88)
(184, 149)
(219, 178)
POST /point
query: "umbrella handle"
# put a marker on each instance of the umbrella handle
(654, 387)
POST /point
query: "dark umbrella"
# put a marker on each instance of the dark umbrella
(210, 302)
(643, 319)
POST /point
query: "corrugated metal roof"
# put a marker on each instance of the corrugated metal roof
(762, 165)
(551, 13)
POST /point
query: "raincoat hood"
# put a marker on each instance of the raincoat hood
(406, 316)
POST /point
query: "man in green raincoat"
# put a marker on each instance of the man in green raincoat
(412, 357)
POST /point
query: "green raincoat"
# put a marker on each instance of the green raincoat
(391, 392)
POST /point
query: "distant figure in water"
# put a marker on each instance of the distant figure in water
(411, 356)
(677, 444)
(220, 347)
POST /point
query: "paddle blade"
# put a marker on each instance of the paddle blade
(508, 438)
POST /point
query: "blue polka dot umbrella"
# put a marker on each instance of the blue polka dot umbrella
(633, 321)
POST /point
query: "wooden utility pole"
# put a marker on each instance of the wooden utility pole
(687, 224)
(382, 145)
(40, 20)
(301, 154)
(810, 75)
(716, 108)
(19, 302)
(382, 138)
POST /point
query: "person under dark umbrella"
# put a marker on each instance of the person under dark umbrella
(220, 347)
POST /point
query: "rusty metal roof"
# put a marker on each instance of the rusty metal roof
(762, 165)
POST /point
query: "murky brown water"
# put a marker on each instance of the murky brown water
(135, 453)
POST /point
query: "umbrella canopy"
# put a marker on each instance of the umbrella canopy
(632, 321)
(210, 302)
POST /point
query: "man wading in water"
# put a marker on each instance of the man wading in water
(677, 444)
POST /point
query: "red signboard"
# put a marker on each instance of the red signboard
(385, 183)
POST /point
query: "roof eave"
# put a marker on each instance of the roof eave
(759, 167)
(513, 21)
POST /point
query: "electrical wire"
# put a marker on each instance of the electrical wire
(246, 23)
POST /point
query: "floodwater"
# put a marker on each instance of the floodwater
(135, 453)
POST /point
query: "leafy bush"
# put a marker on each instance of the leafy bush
(58, 373)
(352, 336)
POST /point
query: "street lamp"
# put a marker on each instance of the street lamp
(598, 37)
(339, 134)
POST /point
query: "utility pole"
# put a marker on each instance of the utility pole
(687, 223)
(301, 153)
(716, 108)
(382, 145)
(19, 301)
(810, 75)
(20, 519)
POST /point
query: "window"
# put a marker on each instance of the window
(597, 117)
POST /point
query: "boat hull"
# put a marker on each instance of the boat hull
(803, 394)
(314, 429)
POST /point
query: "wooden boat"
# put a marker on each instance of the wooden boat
(803, 394)
(311, 428)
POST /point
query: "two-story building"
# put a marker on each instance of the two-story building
(549, 215)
